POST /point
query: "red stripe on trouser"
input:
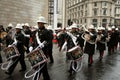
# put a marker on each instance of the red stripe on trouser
(116, 45)
(101, 53)
(90, 59)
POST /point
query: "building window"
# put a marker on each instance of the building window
(104, 11)
(117, 10)
(104, 3)
(104, 22)
(95, 4)
(81, 20)
(85, 20)
(95, 22)
(82, 6)
(95, 12)
(81, 13)
(86, 5)
(86, 13)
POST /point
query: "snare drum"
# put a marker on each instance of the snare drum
(36, 57)
(11, 52)
(75, 52)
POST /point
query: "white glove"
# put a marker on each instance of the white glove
(9, 45)
(41, 45)
(30, 48)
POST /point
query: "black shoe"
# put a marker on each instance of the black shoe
(8, 73)
(89, 65)
(51, 62)
(22, 70)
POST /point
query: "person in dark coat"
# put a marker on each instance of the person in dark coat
(19, 43)
(89, 46)
(113, 41)
(43, 40)
(51, 44)
(101, 41)
(27, 34)
(116, 36)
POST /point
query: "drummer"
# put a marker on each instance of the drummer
(19, 43)
(42, 35)
(1, 40)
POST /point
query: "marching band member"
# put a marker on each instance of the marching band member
(2, 35)
(8, 38)
(115, 37)
(89, 47)
(73, 50)
(19, 43)
(42, 35)
(27, 34)
(50, 48)
(101, 41)
(110, 41)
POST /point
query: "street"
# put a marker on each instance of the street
(107, 69)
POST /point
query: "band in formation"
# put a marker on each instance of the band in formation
(37, 43)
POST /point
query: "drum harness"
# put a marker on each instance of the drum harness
(36, 74)
(79, 60)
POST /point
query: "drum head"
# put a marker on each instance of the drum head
(11, 52)
(36, 57)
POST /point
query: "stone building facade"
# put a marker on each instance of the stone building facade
(117, 13)
(22, 11)
(96, 12)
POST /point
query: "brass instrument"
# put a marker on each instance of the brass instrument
(3, 34)
(88, 38)
(100, 38)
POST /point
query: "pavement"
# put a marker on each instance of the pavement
(107, 69)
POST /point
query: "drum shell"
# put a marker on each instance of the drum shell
(74, 54)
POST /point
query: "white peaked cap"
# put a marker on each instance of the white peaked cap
(19, 26)
(22, 24)
(99, 28)
(10, 25)
(74, 25)
(49, 27)
(26, 24)
(102, 28)
(91, 27)
(116, 29)
(34, 28)
(41, 19)
(109, 29)
(113, 27)
(67, 28)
